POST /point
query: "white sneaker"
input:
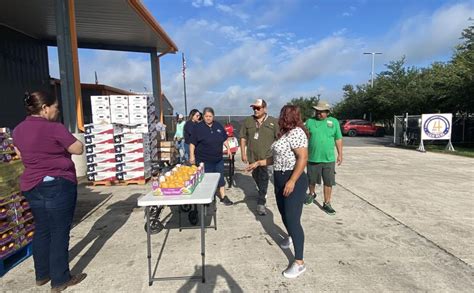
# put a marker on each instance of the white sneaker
(294, 270)
(286, 243)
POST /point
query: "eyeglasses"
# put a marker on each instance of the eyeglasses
(256, 108)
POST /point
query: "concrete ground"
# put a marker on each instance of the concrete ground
(404, 222)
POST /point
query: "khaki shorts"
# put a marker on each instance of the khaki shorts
(325, 170)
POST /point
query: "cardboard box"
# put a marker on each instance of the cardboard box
(131, 138)
(166, 144)
(131, 148)
(100, 101)
(101, 119)
(98, 138)
(101, 158)
(133, 167)
(118, 100)
(101, 109)
(139, 118)
(133, 175)
(99, 128)
(137, 100)
(102, 176)
(100, 148)
(166, 156)
(121, 118)
(101, 167)
(132, 157)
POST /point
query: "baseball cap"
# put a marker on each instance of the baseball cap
(259, 103)
(180, 116)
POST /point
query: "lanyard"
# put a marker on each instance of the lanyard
(258, 125)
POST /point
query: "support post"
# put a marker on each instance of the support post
(71, 100)
(156, 83)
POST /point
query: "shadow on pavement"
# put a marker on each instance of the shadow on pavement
(247, 185)
(212, 272)
(88, 201)
(102, 230)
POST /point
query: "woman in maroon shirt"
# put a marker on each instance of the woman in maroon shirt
(49, 184)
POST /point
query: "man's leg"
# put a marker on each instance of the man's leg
(260, 175)
(329, 181)
(314, 177)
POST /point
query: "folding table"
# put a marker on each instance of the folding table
(202, 195)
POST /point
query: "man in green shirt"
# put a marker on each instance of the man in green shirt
(257, 134)
(325, 132)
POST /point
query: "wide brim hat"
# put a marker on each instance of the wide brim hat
(322, 106)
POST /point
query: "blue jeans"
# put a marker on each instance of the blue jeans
(186, 151)
(180, 148)
(214, 167)
(52, 204)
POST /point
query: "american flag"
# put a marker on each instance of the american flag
(184, 66)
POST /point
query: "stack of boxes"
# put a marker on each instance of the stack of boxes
(126, 141)
(16, 218)
(167, 152)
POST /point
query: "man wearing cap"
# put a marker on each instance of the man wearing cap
(179, 137)
(257, 134)
(325, 132)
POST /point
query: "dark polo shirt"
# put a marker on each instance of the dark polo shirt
(209, 141)
(43, 145)
(259, 148)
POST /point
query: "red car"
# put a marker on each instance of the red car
(355, 127)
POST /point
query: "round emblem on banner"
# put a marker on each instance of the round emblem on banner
(436, 126)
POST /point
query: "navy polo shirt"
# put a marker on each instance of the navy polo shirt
(208, 141)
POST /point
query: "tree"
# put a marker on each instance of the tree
(305, 105)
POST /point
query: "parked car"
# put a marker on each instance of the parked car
(355, 127)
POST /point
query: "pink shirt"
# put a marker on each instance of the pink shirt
(43, 145)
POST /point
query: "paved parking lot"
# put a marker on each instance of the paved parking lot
(404, 222)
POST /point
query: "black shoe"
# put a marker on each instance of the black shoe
(328, 209)
(310, 198)
(226, 201)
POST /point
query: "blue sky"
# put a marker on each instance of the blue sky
(237, 51)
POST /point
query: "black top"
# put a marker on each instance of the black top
(188, 130)
(208, 141)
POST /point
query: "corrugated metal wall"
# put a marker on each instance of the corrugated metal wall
(23, 66)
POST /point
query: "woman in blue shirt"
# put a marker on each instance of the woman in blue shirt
(206, 140)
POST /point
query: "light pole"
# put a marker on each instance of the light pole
(373, 64)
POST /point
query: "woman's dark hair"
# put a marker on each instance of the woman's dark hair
(35, 101)
(290, 118)
(192, 113)
(208, 109)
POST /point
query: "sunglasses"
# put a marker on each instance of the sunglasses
(257, 108)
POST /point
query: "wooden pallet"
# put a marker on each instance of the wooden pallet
(131, 182)
(120, 183)
(104, 183)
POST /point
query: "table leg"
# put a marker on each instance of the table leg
(148, 241)
(203, 245)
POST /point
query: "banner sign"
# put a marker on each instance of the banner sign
(436, 126)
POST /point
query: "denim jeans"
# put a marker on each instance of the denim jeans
(180, 148)
(214, 167)
(186, 151)
(52, 204)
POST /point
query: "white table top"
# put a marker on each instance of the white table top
(203, 194)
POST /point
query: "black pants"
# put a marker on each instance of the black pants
(260, 175)
(52, 204)
(291, 207)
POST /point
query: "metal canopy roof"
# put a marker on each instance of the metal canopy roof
(100, 24)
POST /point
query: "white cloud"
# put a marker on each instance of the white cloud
(424, 36)
(202, 3)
